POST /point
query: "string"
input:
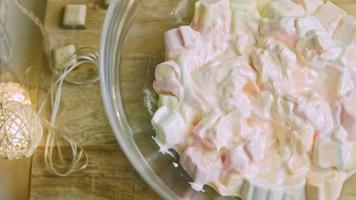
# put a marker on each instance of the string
(79, 158)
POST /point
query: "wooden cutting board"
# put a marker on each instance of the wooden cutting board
(109, 174)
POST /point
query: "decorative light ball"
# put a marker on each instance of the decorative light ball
(20, 125)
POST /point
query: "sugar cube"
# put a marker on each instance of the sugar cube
(74, 16)
(62, 54)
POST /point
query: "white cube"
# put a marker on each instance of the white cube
(75, 16)
(329, 16)
(308, 23)
(62, 54)
(346, 30)
(329, 153)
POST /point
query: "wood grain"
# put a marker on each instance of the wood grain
(109, 174)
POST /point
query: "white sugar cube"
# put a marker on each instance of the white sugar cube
(329, 16)
(75, 16)
(346, 30)
(62, 54)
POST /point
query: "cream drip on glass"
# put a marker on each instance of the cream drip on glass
(259, 98)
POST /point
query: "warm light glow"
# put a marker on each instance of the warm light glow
(20, 126)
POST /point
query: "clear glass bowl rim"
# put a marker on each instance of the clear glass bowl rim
(116, 25)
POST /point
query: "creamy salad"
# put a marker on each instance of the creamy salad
(259, 98)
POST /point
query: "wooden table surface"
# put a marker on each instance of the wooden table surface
(109, 175)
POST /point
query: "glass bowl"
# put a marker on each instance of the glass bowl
(131, 46)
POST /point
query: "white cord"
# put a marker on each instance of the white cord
(79, 159)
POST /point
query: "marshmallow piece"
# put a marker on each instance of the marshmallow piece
(188, 36)
(310, 6)
(180, 38)
(232, 185)
(173, 42)
(319, 45)
(256, 147)
(329, 153)
(345, 84)
(159, 115)
(75, 16)
(238, 159)
(244, 43)
(204, 125)
(349, 123)
(263, 105)
(298, 164)
(284, 56)
(348, 116)
(348, 58)
(167, 70)
(329, 16)
(351, 164)
(349, 103)
(213, 20)
(308, 23)
(226, 131)
(243, 16)
(346, 30)
(169, 126)
(232, 84)
(287, 57)
(269, 73)
(171, 86)
(341, 135)
(212, 15)
(329, 187)
(253, 191)
(168, 101)
(319, 114)
(62, 54)
(203, 165)
(189, 113)
(285, 25)
(283, 8)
